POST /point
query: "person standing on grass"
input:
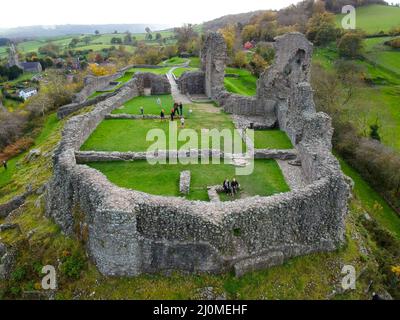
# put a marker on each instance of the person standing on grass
(162, 115)
(235, 186)
(181, 109)
(227, 186)
(142, 111)
(172, 114)
(5, 164)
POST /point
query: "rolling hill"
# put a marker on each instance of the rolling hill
(374, 19)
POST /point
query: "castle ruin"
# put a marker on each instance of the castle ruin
(128, 233)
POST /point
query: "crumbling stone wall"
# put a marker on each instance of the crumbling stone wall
(192, 82)
(159, 84)
(93, 84)
(213, 59)
(131, 232)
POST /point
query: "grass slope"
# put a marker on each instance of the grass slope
(371, 102)
(375, 18)
(244, 84)
(6, 176)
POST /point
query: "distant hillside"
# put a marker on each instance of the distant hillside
(62, 30)
(243, 18)
(374, 19)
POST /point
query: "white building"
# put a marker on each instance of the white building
(27, 93)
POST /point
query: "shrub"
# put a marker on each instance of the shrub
(394, 43)
(321, 28)
(12, 126)
(240, 59)
(73, 265)
(350, 45)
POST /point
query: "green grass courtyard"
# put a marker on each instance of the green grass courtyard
(163, 179)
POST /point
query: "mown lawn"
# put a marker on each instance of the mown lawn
(149, 104)
(375, 18)
(158, 179)
(271, 139)
(173, 61)
(130, 135)
(160, 71)
(194, 62)
(180, 71)
(245, 84)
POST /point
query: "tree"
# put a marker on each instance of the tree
(240, 59)
(266, 51)
(258, 64)
(14, 72)
(374, 133)
(350, 45)
(250, 33)
(184, 36)
(97, 32)
(50, 49)
(321, 28)
(229, 34)
(116, 40)
(87, 40)
(74, 42)
(128, 38)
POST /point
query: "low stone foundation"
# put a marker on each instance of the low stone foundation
(184, 182)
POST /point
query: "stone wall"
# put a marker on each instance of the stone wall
(158, 84)
(130, 233)
(192, 82)
(93, 84)
(213, 60)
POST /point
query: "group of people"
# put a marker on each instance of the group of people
(231, 187)
(176, 111)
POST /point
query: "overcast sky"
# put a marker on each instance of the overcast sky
(15, 13)
(170, 12)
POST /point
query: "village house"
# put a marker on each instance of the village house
(27, 93)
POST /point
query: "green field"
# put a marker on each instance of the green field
(174, 61)
(272, 139)
(371, 102)
(375, 18)
(245, 84)
(160, 71)
(266, 179)
(382, 55)
(149, 104)
(97, 43)
(194, 62)
(180, 71)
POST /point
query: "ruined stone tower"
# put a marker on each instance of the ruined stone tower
(213, 58)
